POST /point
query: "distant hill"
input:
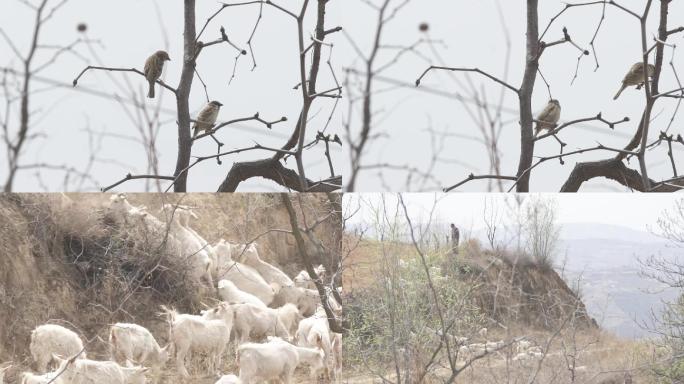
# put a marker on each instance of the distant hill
(607, 258)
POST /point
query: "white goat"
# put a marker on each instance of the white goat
(209, 333)
(270, 273)
(290, 316)
(262, 362)
(243, 276)
(134, 343)
(305, 299)
(228, 379)
(314, 332)
(184, 214)
(529, 355)
(2, 373)
(31, 378)
(190, 246)
(121, 208)
(471, 351)
(304, 280)
(492, 346)
(522, 346)
(258, 322)
(49, 339)
(229, 292)
(313, 357)
(84, 371)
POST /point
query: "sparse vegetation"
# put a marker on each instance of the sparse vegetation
(420, 314)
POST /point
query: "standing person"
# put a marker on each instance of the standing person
(455, 236)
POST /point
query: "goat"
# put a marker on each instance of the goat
(208, 333)
(49, 339)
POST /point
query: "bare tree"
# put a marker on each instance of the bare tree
(272, 167)
(336, 325)
(669, 324)
(542, 231)
(18, 87)
(542, 38)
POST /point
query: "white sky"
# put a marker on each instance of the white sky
(129, 31)
(465, 209)
(473, 36)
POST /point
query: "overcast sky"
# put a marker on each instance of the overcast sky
(466, 209)
(473, 34)
(128, 32)
(470, 34)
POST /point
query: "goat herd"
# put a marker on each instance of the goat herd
(277, 323)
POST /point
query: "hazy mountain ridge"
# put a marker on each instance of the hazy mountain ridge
(608, 260)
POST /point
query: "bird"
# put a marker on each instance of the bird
(153, 69)
(548, 117)
(635, 76)
(206, 118)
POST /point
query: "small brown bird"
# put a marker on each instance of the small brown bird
(635, 76)
(153, 69)
(206, 118)
(548, 117)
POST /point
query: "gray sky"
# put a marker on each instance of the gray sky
(129, 31)
(469, 35)
(466, 209)
(473, 36)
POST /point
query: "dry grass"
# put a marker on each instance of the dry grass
(598, 354)
(64, 260)
(603, 356)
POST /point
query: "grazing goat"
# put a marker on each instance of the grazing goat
(31, 378)
(134, 343)
(305, 299)
(243, 276)
(49, 339)
(263, 362)
(184, 214)
(84, 371)
(314, 332)
(192, 249)
(271, 274)
(313, 357)
(304, 280)
(522, 346)
(257, 322)
(471, 351)
(209, 333)
(229, 292)
(2, 373)
(228, 379)
(121, 208)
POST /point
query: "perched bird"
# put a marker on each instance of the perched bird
(153, 69)
(635, 76)
(206, 118)
(548, 117)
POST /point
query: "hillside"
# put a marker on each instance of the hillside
(525, 294)
(396, 324)
(64, 260)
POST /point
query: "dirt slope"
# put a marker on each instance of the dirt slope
(63, 261)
